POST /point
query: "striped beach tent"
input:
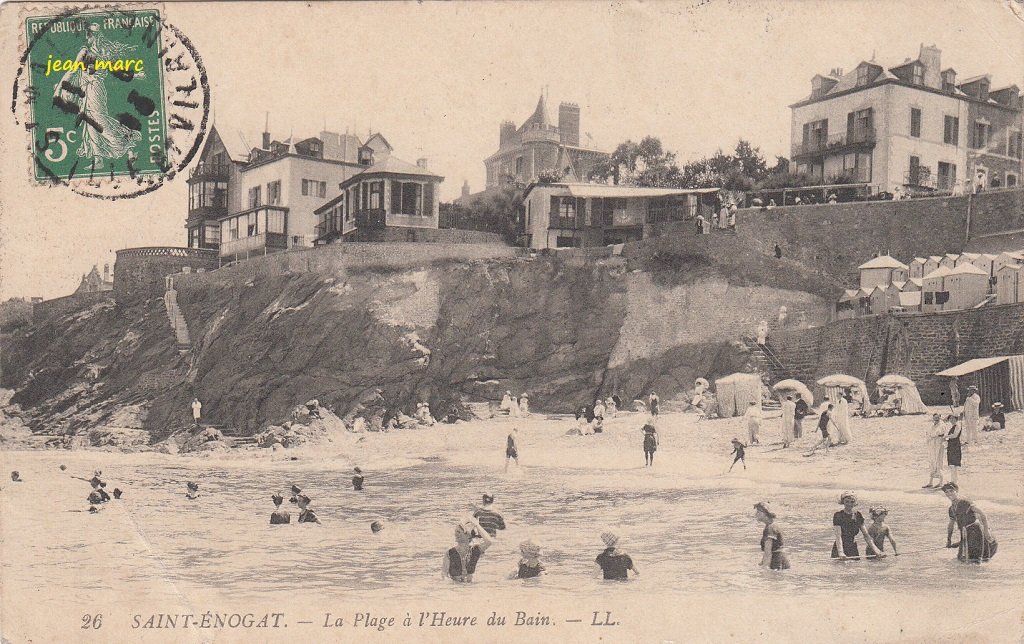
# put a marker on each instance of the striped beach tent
(999, 379)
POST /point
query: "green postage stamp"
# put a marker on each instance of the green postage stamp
(116, 101)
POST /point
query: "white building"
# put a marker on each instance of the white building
(882, 271)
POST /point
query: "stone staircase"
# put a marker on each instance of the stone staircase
(177, 320)
(766, 361)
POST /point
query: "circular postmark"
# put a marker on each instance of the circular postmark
(115, 99)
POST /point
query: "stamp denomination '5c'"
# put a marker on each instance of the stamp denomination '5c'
(116, 101)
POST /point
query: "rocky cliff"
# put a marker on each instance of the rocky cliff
(563, 331)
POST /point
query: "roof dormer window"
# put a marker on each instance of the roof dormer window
(918, 74)
(863, 75)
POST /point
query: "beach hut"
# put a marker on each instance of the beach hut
(986, 262)
(790, 386)
(910, 398)
(933, 286)
(881, 271)
(878, 300)
(848, 304)
(965, 258)
(1008, 284)
(949, 260)
(910, 301)
(912, 284)
(917, 267)
(967, 286)
(931, 264)
(735, 393)
(999, 379)
(1007, 258)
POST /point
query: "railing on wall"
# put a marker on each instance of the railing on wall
(167, 251)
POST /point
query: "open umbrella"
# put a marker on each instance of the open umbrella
(892, 380)
(840, 380)
(702, 381)
(795, 386)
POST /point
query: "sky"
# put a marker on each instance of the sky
(438, 79)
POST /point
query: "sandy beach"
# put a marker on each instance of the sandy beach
(58, 559)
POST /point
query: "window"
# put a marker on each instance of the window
(411, 193)
(947, 175)
(948, 81)
(929, 297)
(862, 74)
(193, 238)
(563, 212)
(312, 188)
(207, 193)
(1014, 144)
(915, 122)
(815, 135)
(914, 174)
(376, 195)
(275, 222)
(252, 227)
(951, 131)
(918, 75)
(519, 166)
(212, 233)
(254, 197)
(982, 132)
(233, 228)
(274, 193)
(941, 297)
(1011, 180)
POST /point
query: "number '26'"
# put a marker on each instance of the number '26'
(91, 621)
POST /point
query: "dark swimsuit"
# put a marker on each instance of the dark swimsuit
(614, 566)
(455, 563)
(279, 517)
(973, 547)
(779, 559)
(307, 516)
(849, 527)
(510, 448)
(357, 483)
(527, 571)
(953, 451)
(650, 442)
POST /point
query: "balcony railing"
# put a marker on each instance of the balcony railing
(920, 177)
(836, 142)
(209, 172)
(262, 242)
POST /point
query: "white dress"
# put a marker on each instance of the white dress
(842, 418)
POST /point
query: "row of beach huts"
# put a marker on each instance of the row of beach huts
(936, 283)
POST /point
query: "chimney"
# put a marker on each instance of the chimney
(507, 133)
(266, 133)
(569, 123)
(465, 188)
(421, 162)
(106, 272)
(931, 60)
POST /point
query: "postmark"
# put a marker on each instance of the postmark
(115, 100)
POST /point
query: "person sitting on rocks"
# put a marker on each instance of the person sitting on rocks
(279, 516)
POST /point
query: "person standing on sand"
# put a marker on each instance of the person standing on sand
(614, 563)
(653, 404)
(753, 416)
(788, 420)
(650, 444)
(799, 413)
(512, 448)
(972, 414)
(936, 448)
(738, 450)
(197, 410)
(953, 450)
(772, 555)
(846, 524)
(842, 418)
(524, 404)
(824, 420)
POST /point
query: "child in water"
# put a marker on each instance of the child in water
(193, 490)
(738, 450)
(279, 516)
(878, 531)
(357, 480)
(529, 565)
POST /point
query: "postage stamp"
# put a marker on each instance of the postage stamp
(115, 100)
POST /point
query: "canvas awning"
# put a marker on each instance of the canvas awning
(602, 190)
(977, 364)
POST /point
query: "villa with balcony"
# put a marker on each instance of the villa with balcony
(582, 215)
(909, 127)
(246, 201)
(389, 194)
